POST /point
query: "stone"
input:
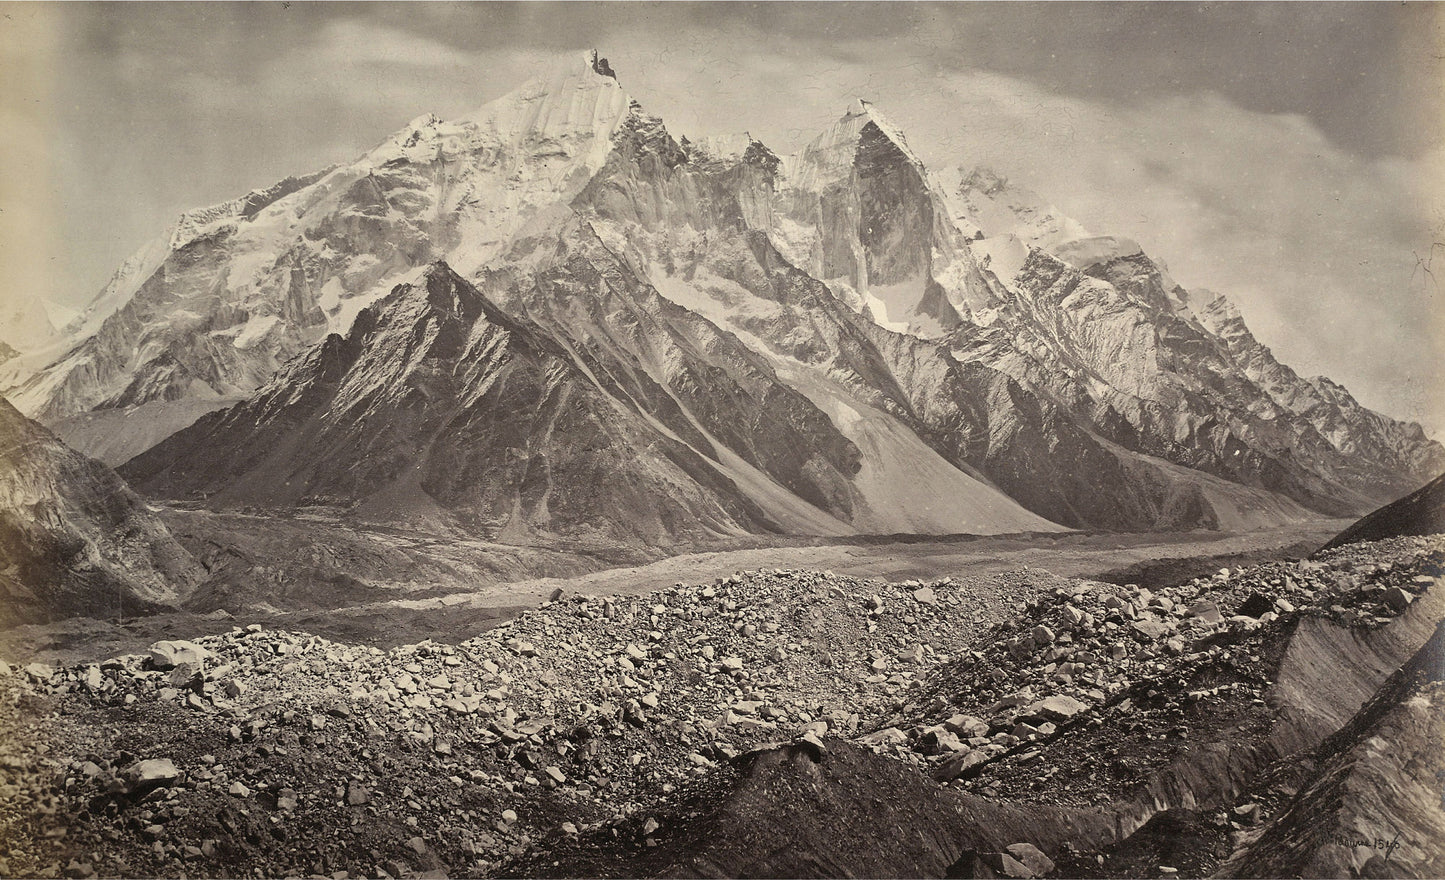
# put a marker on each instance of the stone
(955, 764)
(941, 741)
(239, 789)
(1042, 635)
(1031, 857)
(1059, 707)
(811, 739)
(999, 865)
(1149, 628)
(1206, 611)
(556, 775)
(886, 736)
(1397, 600)
(967, 725)
(356, 794)
(39, 672)
(732, 664)
(170, 653)
(914, 654)
(152, 773)
(924, 596)
(1255, 605)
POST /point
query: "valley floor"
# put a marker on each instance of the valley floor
(471, 590)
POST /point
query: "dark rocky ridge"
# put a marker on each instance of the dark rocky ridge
(74, 538)
(1422, 512)
(438, 405)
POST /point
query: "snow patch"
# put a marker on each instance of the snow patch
(1002, 255)
(253, 330)
(1081, 253)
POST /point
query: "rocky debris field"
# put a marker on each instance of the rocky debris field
(589, 725)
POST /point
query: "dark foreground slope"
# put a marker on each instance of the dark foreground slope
(1371, 806)
(74, 539)
(775, 723)
(1422, 512)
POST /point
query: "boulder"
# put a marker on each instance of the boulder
(1149, 628)
(39, 672)
(1206, 611)
(955, 764)
(171, 653)
(1031, 857)
(1059, 707)
(967, 725)
(940, 741)
(151, 773)
(1256, 606)
(1397, 600)
(886, 736)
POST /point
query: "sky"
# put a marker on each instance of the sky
(1291, 156)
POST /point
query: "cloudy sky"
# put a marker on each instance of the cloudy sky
(1288, 155)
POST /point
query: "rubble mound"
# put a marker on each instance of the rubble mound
(772, 723)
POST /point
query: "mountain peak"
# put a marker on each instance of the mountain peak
(574, 99)
(600, 65)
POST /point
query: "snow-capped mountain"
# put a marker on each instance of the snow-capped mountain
(74, 538)
(828, 342)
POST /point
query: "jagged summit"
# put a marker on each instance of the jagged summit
(600, 66)
(832, 154)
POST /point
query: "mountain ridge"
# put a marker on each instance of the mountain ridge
(74, 538)
(1081, 380)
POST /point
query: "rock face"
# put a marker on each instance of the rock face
(74, 539)
(439, 405)
(1422, 512)
(860, 344)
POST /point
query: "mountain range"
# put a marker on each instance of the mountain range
(556, 320)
